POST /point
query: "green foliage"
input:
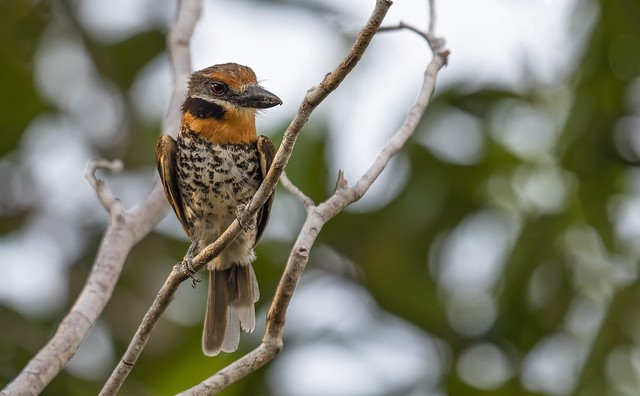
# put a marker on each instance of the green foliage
(556, 257)
(117, 60)
(20, 28)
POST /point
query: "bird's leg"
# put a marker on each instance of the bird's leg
(187, 264)
(246, 227)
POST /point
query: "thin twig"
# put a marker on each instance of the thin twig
(435, 43)
(432, 23)
(105, 195)
(342, 182)
(404, 25)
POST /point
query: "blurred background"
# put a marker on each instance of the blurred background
(497, 255)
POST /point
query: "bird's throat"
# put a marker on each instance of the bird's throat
(236, 126)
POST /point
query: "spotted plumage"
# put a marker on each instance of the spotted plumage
(216, 165)
(214, 179)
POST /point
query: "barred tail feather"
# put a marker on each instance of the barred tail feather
(215, 320)
(232, 334)
(244, 302)
(254, 284)
(230, 305)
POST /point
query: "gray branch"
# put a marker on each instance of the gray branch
(314, 96)
(317, 217)
(125, 229)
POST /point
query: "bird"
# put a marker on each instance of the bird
(213, 168)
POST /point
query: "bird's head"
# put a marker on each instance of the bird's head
(222, 101)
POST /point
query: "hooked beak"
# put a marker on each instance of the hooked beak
(256, 97)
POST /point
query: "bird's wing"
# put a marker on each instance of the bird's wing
(166, 163)
(266, 152)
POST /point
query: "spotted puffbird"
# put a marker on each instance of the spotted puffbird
(216, 165)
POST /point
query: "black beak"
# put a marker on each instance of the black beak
(256, 97)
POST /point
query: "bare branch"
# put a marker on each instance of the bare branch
(432, 22)
(178, 40)
(272, 341)
(316, 218)
(342, 182)
(312, 99)
(125, 230)
(73, 329)
(124, 367)
(435, 43)
(105, 196)
(399, 139)
(404, 25)
(296, 192)
(315, 95)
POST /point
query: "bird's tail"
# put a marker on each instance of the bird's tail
(230, 305)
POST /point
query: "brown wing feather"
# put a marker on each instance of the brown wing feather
(166, 163)
(266, 151)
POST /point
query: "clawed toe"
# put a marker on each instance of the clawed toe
(245, 227)
(188, 269)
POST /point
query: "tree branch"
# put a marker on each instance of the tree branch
(315, 95)
(316, 218)
(435, 43)
(178, 40)
(105, 196)
(125, 229)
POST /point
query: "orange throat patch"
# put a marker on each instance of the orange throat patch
(237, 127)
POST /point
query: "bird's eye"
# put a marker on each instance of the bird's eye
(218, 88)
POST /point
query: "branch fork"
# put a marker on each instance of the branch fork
(122, 235)
(106, 197)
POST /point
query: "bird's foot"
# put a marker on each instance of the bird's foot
(246, 227)
(187, 267)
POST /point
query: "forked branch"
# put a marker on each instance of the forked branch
(317, 217)
(312, 99)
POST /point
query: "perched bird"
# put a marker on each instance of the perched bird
(216, 165)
